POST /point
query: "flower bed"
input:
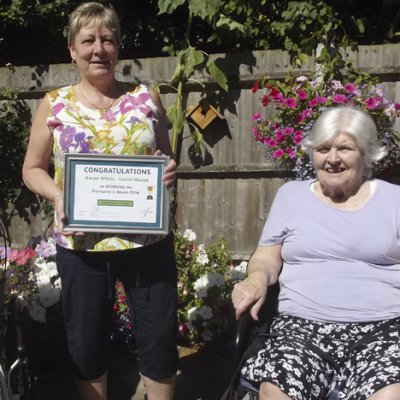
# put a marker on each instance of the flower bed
(206, 277)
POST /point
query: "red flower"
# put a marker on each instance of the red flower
(265, 100)
(255, 87)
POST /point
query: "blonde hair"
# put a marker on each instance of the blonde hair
(93, 12)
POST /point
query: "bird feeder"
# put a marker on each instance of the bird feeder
(203, 114)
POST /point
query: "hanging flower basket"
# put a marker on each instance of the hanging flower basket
(290, 107)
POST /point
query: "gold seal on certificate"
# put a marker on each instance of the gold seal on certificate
(111, 193)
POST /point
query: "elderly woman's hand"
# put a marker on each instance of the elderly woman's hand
(169, 176)
(251, 292)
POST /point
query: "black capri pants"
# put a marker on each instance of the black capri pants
(149, 277)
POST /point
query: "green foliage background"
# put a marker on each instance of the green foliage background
(31, 32)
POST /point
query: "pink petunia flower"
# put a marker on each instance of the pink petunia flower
(313, 103)
(279, 137)
(291, 152)
(371, 103)
(278, 153)
(340, 99)
(290, 102)
(321, 99)
(256, 116)
(350, 87)
(302, 94)
(298, 137)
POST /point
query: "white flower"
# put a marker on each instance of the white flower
(216, 279)
(202, 257)
(239, 271)
(201, 283)
(190, 235)
(200, 286)
(390, 111)
(48, 295)
(192, 313)
(205, 312)
(301, 78)
(37, 312)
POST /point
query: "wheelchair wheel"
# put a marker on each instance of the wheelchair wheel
(18, 344)
(3, 386)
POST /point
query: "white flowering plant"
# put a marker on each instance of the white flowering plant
(290, 107)
(206, 276)
(31, 276)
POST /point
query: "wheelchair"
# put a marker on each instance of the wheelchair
(16, 342)
(249, 340)
(16, 374)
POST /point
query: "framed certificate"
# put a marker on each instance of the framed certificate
(112, 193)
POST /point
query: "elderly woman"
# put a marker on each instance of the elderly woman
(334, 245)
(97, 115)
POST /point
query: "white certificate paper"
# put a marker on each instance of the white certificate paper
(107, 193)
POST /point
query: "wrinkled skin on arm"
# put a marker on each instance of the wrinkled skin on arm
(262, 271)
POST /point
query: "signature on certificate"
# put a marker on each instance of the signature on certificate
(146, 212)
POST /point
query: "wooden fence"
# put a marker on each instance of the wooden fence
(228, 191)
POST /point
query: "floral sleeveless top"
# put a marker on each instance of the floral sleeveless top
(127, 128)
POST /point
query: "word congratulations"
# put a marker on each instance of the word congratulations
(117, 170)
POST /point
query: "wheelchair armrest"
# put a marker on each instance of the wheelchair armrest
(248, 328)
(244, 327)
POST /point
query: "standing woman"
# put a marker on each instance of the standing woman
(97, 116)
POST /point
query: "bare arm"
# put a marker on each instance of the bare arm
(262, 271)
(163, 144)
(35, 171)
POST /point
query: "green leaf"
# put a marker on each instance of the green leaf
(190, 58)
(169, 6)
(176, 116)
(205, 9)
(178, 74)
(218, 75)
(197, 137)
(360, 25)
(230, 23)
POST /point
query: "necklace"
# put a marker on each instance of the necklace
(94, 105)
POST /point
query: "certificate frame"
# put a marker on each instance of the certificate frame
(105, 193)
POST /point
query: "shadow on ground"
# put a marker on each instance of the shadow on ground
(203, 375)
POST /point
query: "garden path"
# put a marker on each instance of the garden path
(203, 375)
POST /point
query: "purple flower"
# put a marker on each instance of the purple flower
(81, 141)
(109, 115)
(67, 136)
(45, 249)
